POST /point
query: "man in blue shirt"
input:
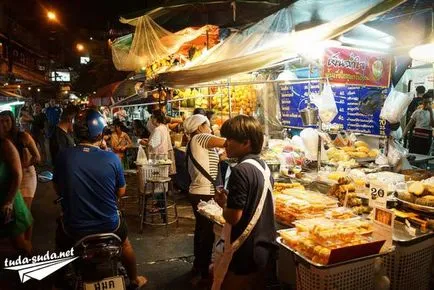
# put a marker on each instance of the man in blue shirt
(53, 113)
(90, 180)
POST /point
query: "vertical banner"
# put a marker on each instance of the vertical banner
(349, 66)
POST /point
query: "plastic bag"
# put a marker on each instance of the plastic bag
(396, 153)
(310, 139)
(326, 104)
(141, 156)
(395, 106)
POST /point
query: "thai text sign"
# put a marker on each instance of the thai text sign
(356, 67)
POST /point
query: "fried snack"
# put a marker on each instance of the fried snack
(363, 149)
(406, 196)
(426, 200)
(361, 144)
(417, 188)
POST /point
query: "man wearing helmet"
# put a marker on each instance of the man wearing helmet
(90, 180)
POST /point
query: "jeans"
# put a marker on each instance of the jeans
(203, 236)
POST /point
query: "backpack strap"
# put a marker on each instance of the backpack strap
(199, 167)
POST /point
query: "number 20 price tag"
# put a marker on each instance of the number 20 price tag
(378, 194)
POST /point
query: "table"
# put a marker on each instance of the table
(420, 159)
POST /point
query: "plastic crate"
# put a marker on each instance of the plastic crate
(358, 274)
(145, 172)
(409, 267)
(355, 275)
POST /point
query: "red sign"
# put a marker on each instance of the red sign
(356, 67)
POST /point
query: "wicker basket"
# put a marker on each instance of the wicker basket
(409, 267)
(145, 172)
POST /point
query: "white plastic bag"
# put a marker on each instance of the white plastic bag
(396, 153)
(141, 156)
(310, 139)
(326, 104)
(395, 106)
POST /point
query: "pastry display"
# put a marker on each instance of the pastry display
(316, 238)
(416, 174)
(295, 204)
(280, 187)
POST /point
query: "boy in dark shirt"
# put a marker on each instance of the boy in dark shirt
(62, 136)
(257, 254)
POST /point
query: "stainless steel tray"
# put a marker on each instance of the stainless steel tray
(422, 208)
(320, 266)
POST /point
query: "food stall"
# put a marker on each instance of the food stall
(346, 219)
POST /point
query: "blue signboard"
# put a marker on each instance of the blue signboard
(358, 107)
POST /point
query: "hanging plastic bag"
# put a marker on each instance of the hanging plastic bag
(396, 153)
(395, 106)
(326, 103)
(141, 156)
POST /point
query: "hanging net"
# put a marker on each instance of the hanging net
(149, 43)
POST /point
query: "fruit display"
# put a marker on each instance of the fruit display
(243, 99)
(316, 238)
(192, 98)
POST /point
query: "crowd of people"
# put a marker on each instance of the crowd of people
(89, 161)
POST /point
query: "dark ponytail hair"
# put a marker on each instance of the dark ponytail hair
(14, 134)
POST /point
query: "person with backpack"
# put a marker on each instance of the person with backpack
(202, 164)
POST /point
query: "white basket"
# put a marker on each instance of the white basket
(145, 172)
(409, 267)
(356, 275)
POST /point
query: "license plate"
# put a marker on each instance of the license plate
(112, 283)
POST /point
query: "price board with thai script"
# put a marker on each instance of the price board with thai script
(358, 107)
(351, 66)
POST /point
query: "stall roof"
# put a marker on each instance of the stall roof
(272, 40)
(223, 13)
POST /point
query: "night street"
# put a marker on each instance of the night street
(165, 260)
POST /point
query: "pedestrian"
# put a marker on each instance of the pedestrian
(160, 142)
(16, 219)
(90, 181)
(202, 163)
(38, 130)
(29, 155)
(248, 211)
(120, 142)
(62, 137)
(53, 113)
(25, 119)
(417, 100)
(422, 120)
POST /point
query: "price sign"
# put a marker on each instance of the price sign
(378, 194)
(383, 222)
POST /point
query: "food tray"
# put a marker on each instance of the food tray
(422, 208)
(307, 261)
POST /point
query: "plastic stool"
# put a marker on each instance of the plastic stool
(163, 204)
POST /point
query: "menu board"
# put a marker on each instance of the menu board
(358, 107)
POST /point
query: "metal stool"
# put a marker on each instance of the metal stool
(163, 204)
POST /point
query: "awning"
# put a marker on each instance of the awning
(114, 92)
(272, 40)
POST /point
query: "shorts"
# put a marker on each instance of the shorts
(29, 181)
(65, 240)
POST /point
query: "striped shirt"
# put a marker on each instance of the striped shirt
(208, 159)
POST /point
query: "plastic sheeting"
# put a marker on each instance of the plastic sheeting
(276, 38)
(149, 43)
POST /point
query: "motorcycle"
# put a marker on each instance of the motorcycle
(99, 264)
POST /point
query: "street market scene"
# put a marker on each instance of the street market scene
(233, 144)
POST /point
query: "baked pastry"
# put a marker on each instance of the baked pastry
(427, 200)
(406, 196)
(417, 188)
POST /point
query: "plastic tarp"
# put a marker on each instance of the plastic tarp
(277, 38)
(149, 43)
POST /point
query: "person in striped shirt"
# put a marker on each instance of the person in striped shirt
(202, 146)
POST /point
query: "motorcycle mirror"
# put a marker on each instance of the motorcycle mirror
(45, 176)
